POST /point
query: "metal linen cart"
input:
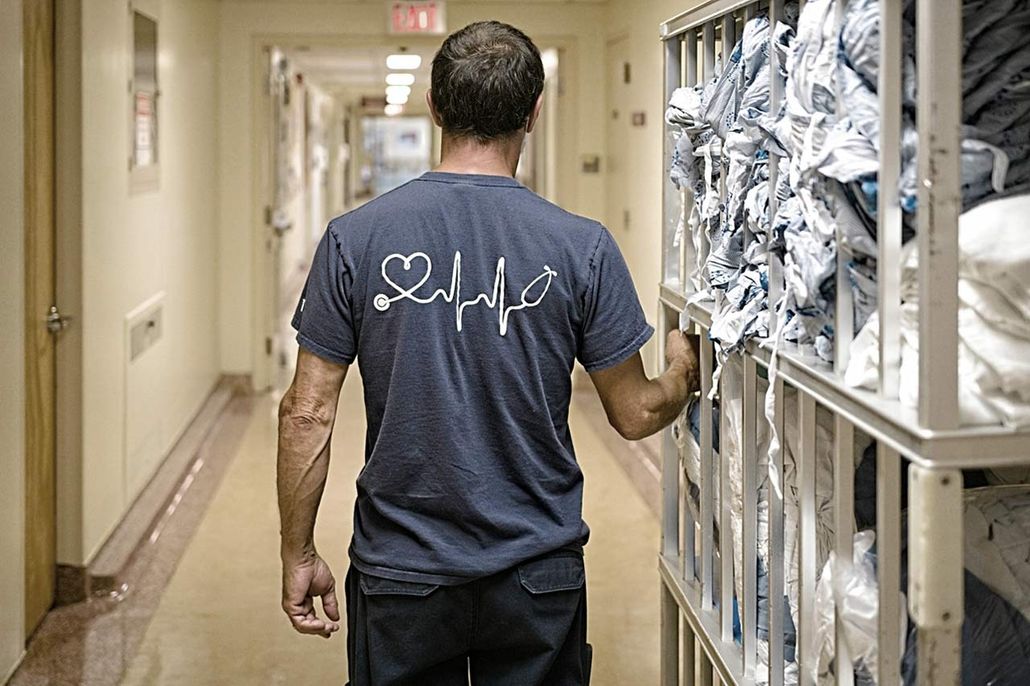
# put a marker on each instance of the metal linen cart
(696, 562)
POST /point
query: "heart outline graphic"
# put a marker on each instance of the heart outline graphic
(381, 302)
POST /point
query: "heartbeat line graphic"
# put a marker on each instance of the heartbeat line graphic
(495, 299)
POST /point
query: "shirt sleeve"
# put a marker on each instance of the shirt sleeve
(323, 318)
(614, 326)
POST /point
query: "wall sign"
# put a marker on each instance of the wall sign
(425, 17)
(144, 95)
(143, 150)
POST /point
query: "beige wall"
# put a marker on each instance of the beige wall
(137, 245)
(245, 25)
(643, 162)
(12, 343)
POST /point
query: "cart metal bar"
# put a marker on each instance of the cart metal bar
(703, 12)
(844, 529)
(940, 657)
(720, 657)
(936, 592)
(670, 535)
(708, 39)
(670, 466)
(775, 273)
(682, 494)
(939, 37)
(888, 563)
(705, 676)
(691, 50)
(688, 530)
(707, 475)
(708, 71)
(726, 585)
(688, 665)
(691, 78)
(672, 270)
(669, 664)
(776, 570)
(729, 37)
(807, 522)
(749, 525)
(844, 311)
(746, 15)
(885, 420)
(888, 232)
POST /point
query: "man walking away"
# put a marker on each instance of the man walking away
(466, 300)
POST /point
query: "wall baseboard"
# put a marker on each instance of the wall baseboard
(4, 678)
(102, 575)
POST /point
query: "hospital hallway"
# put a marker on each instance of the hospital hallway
(167, 170)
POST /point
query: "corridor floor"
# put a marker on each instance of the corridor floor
(219, 621)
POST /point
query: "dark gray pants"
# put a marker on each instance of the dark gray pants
(525, 626)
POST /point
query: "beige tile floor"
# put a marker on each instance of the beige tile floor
(219, 620)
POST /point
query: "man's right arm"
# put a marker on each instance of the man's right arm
(637, 406)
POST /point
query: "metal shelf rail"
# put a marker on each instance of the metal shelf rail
(696, 569)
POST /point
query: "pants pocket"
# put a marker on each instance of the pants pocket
(553, 574)
(378, 586)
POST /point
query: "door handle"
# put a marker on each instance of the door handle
(57, 322)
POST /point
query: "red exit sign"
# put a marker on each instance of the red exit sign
(425, 17)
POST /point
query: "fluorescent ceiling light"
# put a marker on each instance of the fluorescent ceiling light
(400, 79)
(393, 110)
(403, 62)
(396, 99)
(404, 91)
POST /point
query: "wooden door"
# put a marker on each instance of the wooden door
(40, 385)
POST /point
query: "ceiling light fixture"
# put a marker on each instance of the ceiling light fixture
(400, 79)
(404, 91)
(393, 110)
(403, 62)
(396, 99)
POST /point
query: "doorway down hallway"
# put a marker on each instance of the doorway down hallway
(219, 622)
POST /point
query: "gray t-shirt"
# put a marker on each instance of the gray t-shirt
(466, 300)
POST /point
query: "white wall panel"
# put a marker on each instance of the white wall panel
(138, 244)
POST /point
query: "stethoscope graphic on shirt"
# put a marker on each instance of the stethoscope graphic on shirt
(494, 299)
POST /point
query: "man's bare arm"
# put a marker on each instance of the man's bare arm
(306, 417)
(637, 406)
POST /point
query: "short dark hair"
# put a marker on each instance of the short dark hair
(486, 80)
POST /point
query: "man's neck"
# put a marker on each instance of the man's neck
(461, 155)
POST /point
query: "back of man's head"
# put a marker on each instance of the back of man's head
(486, 80)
